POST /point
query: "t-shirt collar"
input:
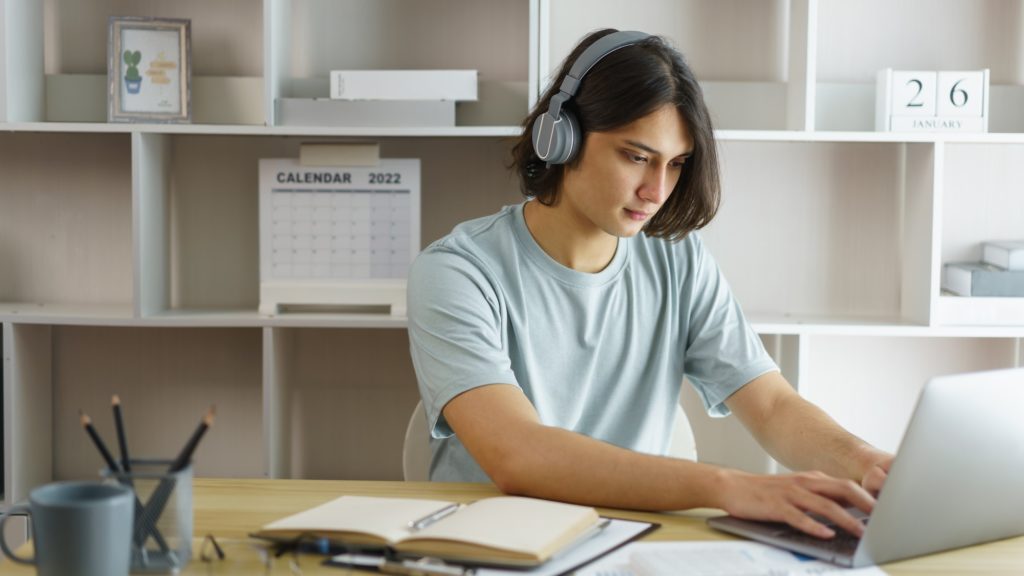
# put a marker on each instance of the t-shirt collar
(549, 265)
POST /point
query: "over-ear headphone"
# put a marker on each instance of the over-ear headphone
(556, 133)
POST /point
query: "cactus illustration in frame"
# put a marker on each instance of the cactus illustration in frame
(132, 79)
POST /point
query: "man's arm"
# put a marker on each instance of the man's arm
(500, 429)
(801, 436)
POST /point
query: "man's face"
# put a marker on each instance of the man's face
(625, 175)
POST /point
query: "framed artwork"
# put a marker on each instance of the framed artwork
(149, 70)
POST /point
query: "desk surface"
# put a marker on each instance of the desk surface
(230, 509)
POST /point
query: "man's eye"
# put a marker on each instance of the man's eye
(636, 158)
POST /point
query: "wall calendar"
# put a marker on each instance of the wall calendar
(337, 236)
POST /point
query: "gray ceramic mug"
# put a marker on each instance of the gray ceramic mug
(78, 529)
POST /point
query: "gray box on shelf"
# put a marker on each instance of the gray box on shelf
(364, 113)
(981, 279)
(1008, 254)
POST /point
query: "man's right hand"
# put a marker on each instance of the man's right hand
(790, 498)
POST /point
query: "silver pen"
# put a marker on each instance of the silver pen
(421, 567)
(429, 519)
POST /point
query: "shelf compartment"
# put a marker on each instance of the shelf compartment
(65, 227)
(748, 56)
(850, 106)
(202, 220)
(874, 396)
(980, 202)
(337, 402)
(310, 38)
(227, 58)
(27, 397)
(230, 100)
(847, 65)
(167, 378)
(856, 234)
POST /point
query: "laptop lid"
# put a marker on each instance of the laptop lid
(956, 478)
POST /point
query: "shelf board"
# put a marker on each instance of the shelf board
(122, 315)
(861, 326)
(492, 132)
(253, 130)
(869, 137)
(990, 312)
(252, 318)
(72, 314)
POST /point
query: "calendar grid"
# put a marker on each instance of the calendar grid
(340, 233)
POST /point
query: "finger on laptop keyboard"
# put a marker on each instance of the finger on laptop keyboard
(848, 491)
(832, 512)
(801, 521)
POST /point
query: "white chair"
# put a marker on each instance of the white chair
(416, 450)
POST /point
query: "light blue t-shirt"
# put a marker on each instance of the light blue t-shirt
(601, 354)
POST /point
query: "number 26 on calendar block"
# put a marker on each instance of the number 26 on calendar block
(932, 101)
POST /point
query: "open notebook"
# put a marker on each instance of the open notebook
(505, 530)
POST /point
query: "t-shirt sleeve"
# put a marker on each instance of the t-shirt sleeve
(456, 331)
(722, 351)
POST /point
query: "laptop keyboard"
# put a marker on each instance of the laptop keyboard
(843, 543)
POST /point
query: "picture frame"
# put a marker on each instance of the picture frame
(149, 70)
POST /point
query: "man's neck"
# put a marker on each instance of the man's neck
(569, 240)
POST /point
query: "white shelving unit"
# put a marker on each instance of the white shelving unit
(129, 253)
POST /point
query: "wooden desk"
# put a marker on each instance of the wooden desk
(230, 509)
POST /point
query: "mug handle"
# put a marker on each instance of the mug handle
(16, 509)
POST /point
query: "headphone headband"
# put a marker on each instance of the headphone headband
(594, 53)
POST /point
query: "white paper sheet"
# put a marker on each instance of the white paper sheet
(712, 559)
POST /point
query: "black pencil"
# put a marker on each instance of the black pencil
(100, 445)
(142, 530)
(185, 456)
(154, 507)
(122, 440)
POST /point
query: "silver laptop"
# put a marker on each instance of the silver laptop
(958, 479)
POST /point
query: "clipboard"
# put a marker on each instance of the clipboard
(615, 534)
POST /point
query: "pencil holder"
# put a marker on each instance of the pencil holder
(162, 534)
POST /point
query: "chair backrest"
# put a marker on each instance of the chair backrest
(416, 450)
(683, 444)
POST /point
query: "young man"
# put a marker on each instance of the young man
(550, 340)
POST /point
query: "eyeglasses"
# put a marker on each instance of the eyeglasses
(248, 554)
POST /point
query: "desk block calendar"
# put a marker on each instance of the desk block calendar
(932, 101)
(339, 236)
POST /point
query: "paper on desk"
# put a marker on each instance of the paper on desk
(712, 559)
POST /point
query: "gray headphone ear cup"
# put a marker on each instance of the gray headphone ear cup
(568, 137)
(560, 138)
(542, 137)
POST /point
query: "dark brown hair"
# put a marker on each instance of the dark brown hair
(622, 87)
